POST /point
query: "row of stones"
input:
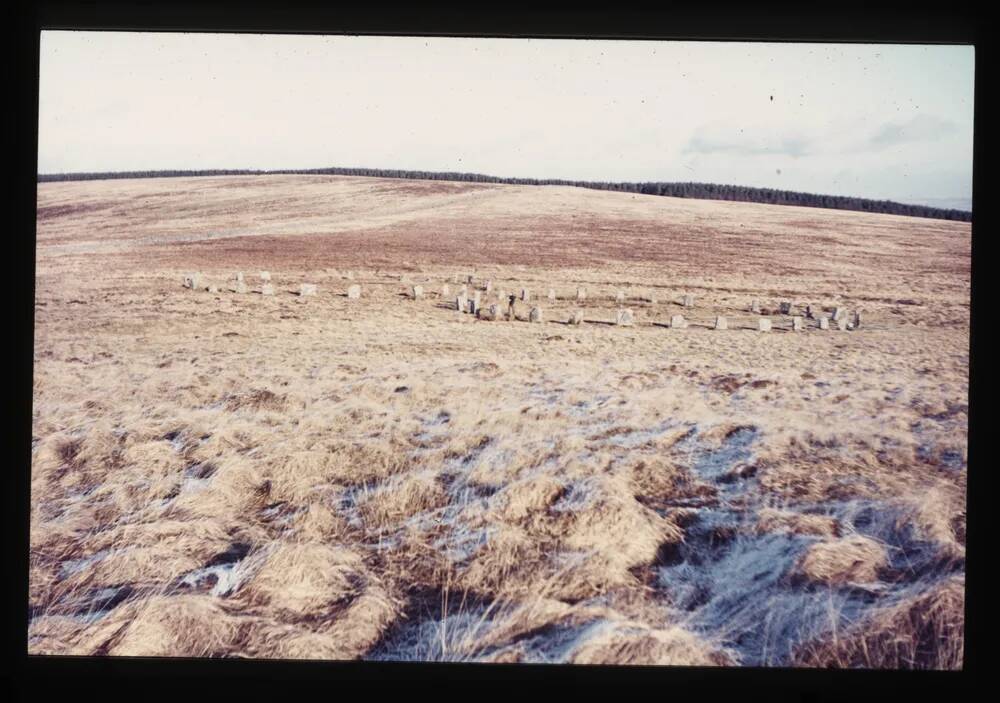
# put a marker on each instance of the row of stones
(237, 284)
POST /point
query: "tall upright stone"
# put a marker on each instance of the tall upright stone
(624, 317)
(842, 323)
(763, 324)
(552, 294)
(354, 292)
(535, 315)
(857, 319)
(525, 295)
(469, 279)
(652, 297)
(720, 323)
(824, 322)
(461, 303)
(238, 287)
(489, 286)
(797, 324)
(839, 313)
(473, 305)
(417, 292)
(677, 322)
(238, 276)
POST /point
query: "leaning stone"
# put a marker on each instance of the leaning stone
(265, 275)
(535, 315)
(677, 321)
(267, 289)
(418, 292)
(576, 318)
(797, 324)
(763, 324)
(720, 323)
(624, 317)
(824, 322)
(307, 289)
(354, 292)
(525, 295)
(581, 294)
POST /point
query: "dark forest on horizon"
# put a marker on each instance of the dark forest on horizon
(702, 191)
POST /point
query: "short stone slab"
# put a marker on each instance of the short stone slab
(755, 307)
(307, 289)
(824, 322)
(581, 294)
(620, 297)
(720, 323)
(677, 322)
(688, 301)
(267, 289)
(491, 312)
(535, 315)
(624, 317)
(797, 324)
(763, 324)
(417, 292)
(576, 318)
(265, 275)
(192, 280)
(349, 275)
(354, 292)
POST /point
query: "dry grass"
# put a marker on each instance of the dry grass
(329, 462)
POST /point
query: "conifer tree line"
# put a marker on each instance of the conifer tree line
(704, 191)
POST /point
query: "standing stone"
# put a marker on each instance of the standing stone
(192, 280)
(796, 324)
(525, 295)
(677, 322)
(238, 287)
(576, 318)
(581, 294)
(212, 288)
(839, 313)
(842, 323)
(857, 319)
(477, 296)
(267, 289)
(552, 294)
(785, 308)
(809, 312)
(651, 297)
(265, 275)
(763, 324)
(688, 301)
(469, 279)
(238, 276)
(490, 312)
(473, 306)
(445, 291)
(624, 317)
(501, 295)
(720, 323)
(307, 289)
(535, 315)
(354, 292)
(463, 290)
(620, 297)
(461, 303)
(824, 322)
(755, 306)
(418, 292)
(489, 286)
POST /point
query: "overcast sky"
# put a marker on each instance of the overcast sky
(877, 121)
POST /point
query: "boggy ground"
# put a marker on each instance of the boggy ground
(246, 475)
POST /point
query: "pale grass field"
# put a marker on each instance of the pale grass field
(285, 477)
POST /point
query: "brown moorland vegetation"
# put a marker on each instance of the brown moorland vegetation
(223, 474)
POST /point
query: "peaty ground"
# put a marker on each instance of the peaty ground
(222, 474)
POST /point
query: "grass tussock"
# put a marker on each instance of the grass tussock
(854, 559)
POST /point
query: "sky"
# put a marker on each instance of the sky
(883, 121)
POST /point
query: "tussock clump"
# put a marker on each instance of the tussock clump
(923, 632)
(177, 626)
(631, 643)
(773, 520)
(358, 464)
(939, 514)
(854, 559)
(398, 500)
(257, 399)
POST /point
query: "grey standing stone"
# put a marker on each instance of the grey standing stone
(839, 313)
(755, 306)
(307, 289)
(473, 305)
(489, 286)
(490, 312)
(576, 318)
(552, 294)
(469, 278)
(857, 319)
(461, 303)
(418, 292)
(677, 322)
(797, 324)
(651, 297)
(785, 308)
(354, 292)
(581, 294)
(688, 301)
(624, 317)
(238, 287)
(824, 322)
(842, 323)
(535, 315)
(763, 324)
(620, 297)
(445, 291)
(720, 323)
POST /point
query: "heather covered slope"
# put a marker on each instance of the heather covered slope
(241, 475)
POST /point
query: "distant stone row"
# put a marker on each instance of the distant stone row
(237, 284)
